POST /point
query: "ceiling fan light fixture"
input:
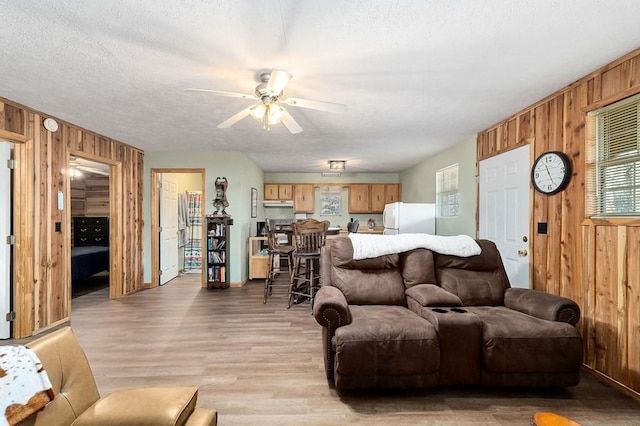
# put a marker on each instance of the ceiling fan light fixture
(337, 165)
(267, 114)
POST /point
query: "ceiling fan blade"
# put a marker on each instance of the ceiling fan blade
(291, 124)
(220, 93)
(278, 81)
(233, 120)
(322, 106)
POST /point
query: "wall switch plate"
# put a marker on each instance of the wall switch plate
(542, 227)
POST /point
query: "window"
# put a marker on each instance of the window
(613, 160)
(447, 196)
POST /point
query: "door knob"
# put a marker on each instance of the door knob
(523, 252)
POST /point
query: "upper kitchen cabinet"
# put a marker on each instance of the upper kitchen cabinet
(304, 200)
(359, 198)
(371, 198)
(278, 191)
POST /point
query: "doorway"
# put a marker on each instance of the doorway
(177, 203)
(504, 210)
(90, 225)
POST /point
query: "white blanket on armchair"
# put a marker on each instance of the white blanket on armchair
(367, 246)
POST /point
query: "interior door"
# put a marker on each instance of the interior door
(504, 210)
(168, 228)
(5, 230)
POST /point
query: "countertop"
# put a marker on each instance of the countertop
(364, 230)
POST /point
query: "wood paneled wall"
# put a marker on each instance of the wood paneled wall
(594, 262)
(42, 272)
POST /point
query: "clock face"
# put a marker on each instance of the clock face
(551, 172)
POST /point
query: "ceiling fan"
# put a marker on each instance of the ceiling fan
(269, 111)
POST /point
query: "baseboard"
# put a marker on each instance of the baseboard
(611, 382)
(238, 283)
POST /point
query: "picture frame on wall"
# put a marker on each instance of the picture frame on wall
(254, 202)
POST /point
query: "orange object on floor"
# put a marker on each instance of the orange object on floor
(551, 419)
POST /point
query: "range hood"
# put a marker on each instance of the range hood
(278, 203)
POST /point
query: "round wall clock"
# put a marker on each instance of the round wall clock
(551, 172)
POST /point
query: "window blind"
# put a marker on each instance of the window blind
(614, 143)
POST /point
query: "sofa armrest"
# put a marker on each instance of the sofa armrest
(542, 305)
(432, 295)
(330, 308)
(153, 406)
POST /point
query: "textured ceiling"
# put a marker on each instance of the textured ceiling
(417, 76)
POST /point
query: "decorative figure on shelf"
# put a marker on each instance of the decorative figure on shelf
(371, 223)
(220, 202)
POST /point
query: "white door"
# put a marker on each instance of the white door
(504, 210)
(168, 228)
(5, 230)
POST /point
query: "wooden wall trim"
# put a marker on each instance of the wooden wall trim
(612, 99)
(13, 137)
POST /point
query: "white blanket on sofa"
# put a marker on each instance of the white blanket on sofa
(367, 246)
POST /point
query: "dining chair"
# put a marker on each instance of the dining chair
(276, 252)
(308, 238)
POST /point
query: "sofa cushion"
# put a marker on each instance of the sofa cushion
(151, 406)
(417, 267)
(386, 341)
(513, 342)
(488, 259)
(374, 281)
(474, 287)
(369, 287)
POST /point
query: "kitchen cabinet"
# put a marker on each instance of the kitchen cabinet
(377, 197)
(371, 198)
(304, 199)
(359, 198)
(278, 191)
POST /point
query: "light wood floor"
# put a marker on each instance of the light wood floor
(262, 364)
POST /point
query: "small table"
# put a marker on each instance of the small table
(258, 261)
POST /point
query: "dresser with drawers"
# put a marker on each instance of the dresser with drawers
(90, 231)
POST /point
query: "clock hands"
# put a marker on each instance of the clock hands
(549, 173)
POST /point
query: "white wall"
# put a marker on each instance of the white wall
(419, 185)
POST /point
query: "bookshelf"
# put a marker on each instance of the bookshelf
(217, 272)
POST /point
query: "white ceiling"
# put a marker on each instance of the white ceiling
(417, 76)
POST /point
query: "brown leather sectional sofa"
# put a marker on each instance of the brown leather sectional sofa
(421, 319)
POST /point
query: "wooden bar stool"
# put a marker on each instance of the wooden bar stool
(276, 252)
(308, 238)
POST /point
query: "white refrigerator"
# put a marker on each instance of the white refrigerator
(404, 218)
